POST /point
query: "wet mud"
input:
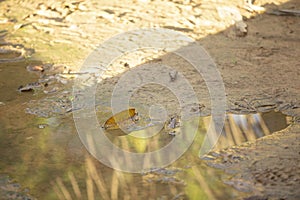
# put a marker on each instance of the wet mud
(43, 45)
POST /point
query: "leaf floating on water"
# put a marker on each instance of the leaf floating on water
(126, 118)
(31, 87)
(35, 68)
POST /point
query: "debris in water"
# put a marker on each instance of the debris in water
(31, 87)
(172, 123)
(42, 126)
(35, 68)
(172, 133)
(125, 117)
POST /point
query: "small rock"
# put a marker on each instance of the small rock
(30, 87)
(241, 29)
(173, 75)
(172, 123)
(42, 126)
(172, 133)
(53, 90)
(208, 157)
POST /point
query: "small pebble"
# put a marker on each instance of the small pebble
(41, 126)
(172, 133)
(172, 123)
(208, 157)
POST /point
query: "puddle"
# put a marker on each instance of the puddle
(49, 160)
(240, 128)
(13, 52)
(12, 190)
(12, 75)
(45, 156)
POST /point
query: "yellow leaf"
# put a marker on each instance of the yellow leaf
(126, 118)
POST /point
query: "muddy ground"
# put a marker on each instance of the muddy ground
(259, 67)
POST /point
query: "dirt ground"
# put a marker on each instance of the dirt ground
(259, 67)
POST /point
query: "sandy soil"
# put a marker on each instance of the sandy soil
(260, 68)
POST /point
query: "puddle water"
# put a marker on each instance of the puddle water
(9, 54)
(45, 156)
(13, 52)
(238, 128)
(51, 160)
(12, 75)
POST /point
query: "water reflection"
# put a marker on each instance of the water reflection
(241, 128)
(53, 164)
(238, 128)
